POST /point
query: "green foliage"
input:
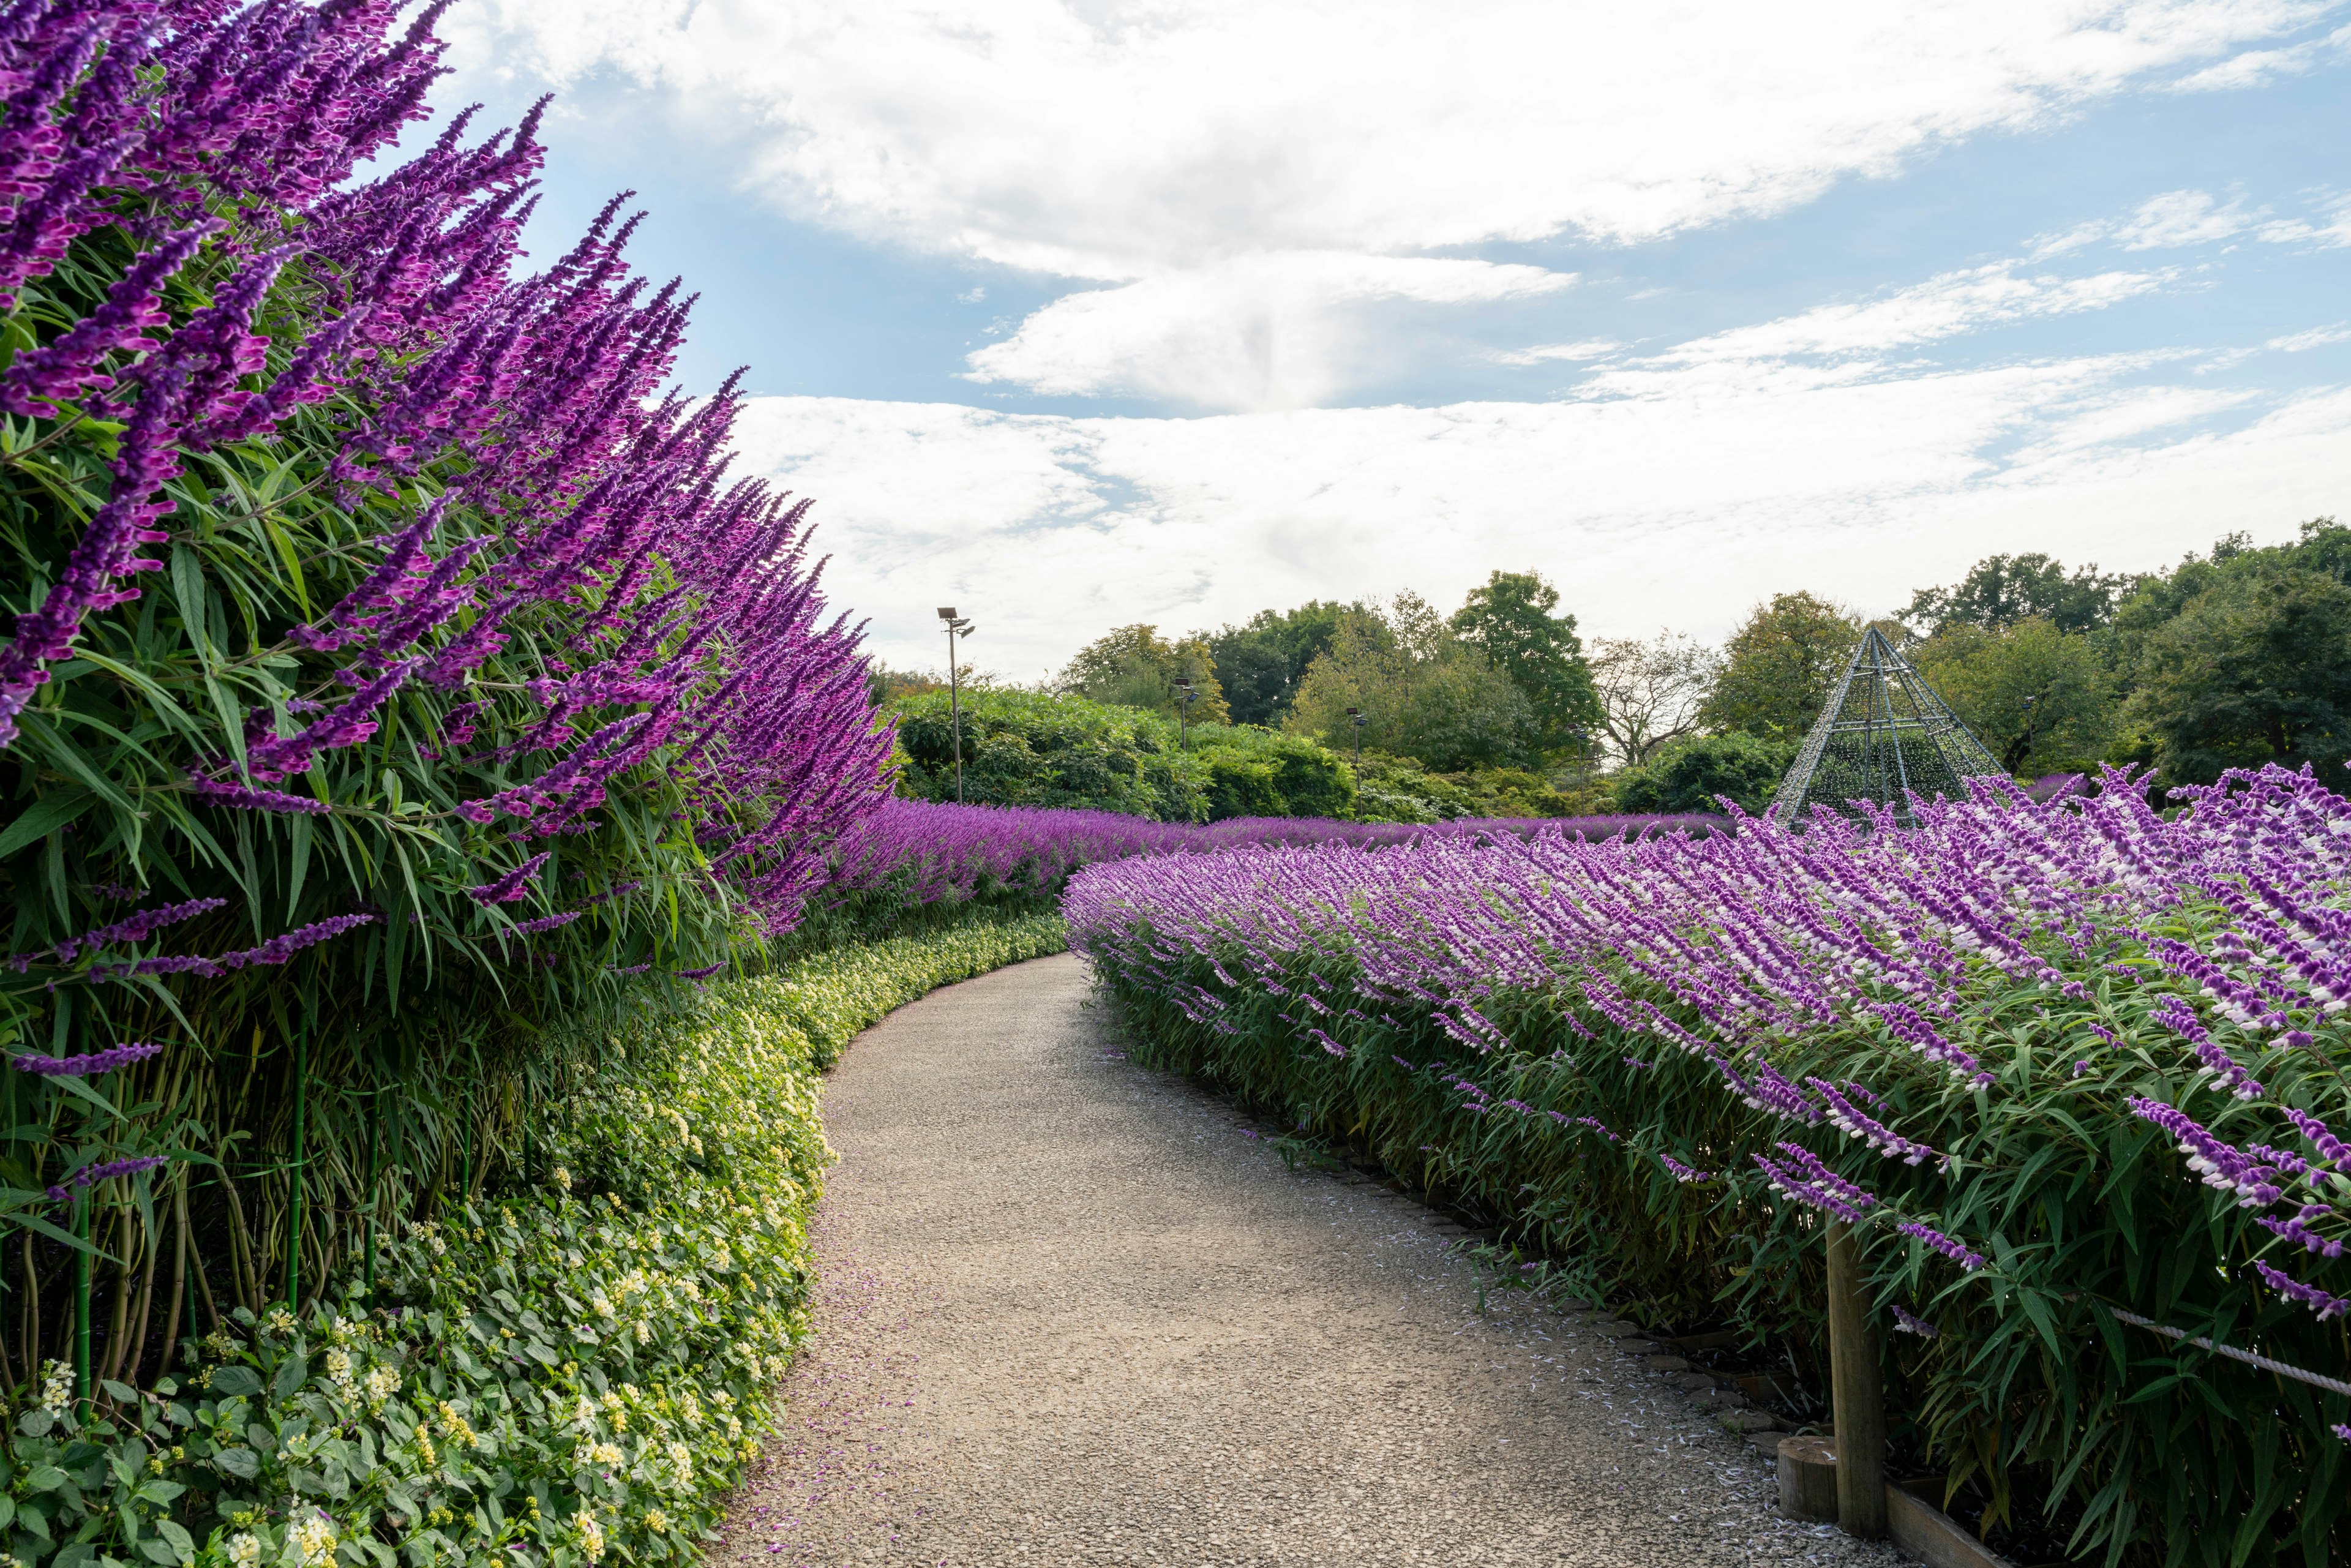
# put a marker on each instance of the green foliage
(2038, 696)
(1134, 666)
(1254, 772)
(1039, 749)
(2001, 591)
(1779, 667)
(1510, 621)
(1689, 775)
(1398, 790)
(577, 1366)
(1423, 693)
(1260, 663)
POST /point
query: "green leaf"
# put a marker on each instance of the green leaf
(241, 1463)
(161, 1552)
(231, 1381)
(122, 1393)
(292, 1373)
(45, 1477)
(47, 813)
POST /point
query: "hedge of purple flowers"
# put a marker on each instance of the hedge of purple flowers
(930, 851)
(392, 668)
(2061, 1058)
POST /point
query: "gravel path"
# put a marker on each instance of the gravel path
(1075, 1312)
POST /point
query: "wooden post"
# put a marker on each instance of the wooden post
(1857, 1401)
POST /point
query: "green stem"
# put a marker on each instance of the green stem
(465, 1162)
(81, 1302)
(299, 1169)
(375, 1146)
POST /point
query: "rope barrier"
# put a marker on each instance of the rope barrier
(2331, 1384)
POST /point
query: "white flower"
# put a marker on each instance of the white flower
(644, 1334)
(279, 1320)
(56, 1387)
(338, 1368)
(591, 1536)
(601, 1304)
(606, 1454)
(680, 1459)
(243, 1551)
(314, 1538)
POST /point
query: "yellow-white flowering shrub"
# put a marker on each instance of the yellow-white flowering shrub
(563, 1374)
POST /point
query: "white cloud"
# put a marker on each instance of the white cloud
(2315, 338)
(2258, 68)
(1107, 138)
(1179, 147)
(1597, 349)
(2180, 218)
(1679, 511)
(1257, 332)
(1944, 306)
(2330, 230)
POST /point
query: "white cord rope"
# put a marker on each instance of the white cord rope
(2331, 1384)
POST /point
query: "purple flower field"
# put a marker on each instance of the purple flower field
(937, 852)
(2057, 1057)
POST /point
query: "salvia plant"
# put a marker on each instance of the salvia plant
(391, 663)
(925, 851)
(2074, 1067)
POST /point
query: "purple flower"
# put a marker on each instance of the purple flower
(243, 797)
(87, 1066)
(1908, 1322)
(700, 973)
(2310, 1296)
(513, 885)
(137, 927)
(1956, 1252)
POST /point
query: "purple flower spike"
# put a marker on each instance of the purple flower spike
(702, 974)
(515, 884)
(240, 798)
(2310, 1296)
(1956, 1252)
(87, 1066)
(1908, 1322)
(137, 927)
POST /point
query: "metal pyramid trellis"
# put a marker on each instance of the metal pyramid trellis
(1884, 736)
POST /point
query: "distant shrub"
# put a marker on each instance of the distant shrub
(1690, 774)
(1253, 772)
(1039, 749)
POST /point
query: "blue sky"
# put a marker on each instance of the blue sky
(1075, 315)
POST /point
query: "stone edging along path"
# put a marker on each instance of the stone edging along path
(1070, 1313)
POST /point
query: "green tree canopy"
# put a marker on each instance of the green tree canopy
(2255, 667)
(1134, 666)
(1510, 620)
(1778, 668)
(1423, 693)
(2001, 591)
(2039, 697)
(1259, 664)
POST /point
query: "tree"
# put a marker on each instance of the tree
(1510, 622)
(1044, 748)
(1423, 693)
(1650, 693)
(1778, 668)
(2039, 697)
(1689, 775)
(2255, 668)
(2001, 591)
(1133, 666)
(1259, 664)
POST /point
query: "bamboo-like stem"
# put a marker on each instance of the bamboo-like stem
(180, 1281)
(375, 1152)
(137, 1343)
(241, 1264)
(32, 1318)
(81, 1302)
(296, 1172)
(120, 1318)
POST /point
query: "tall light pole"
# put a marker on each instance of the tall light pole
(1355, 716)
(1184, 697)
(956, 627)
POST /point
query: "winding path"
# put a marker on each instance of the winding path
(1074, 1311)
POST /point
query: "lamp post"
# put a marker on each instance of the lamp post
(1355, 717)
(1186, 695)
(956, 627)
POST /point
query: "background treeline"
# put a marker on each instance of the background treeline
(2236, 657)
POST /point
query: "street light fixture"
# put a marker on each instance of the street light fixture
(1186, 695)
(1355, 716)
(956, 627)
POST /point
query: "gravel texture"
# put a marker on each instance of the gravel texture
(1074, 1311)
